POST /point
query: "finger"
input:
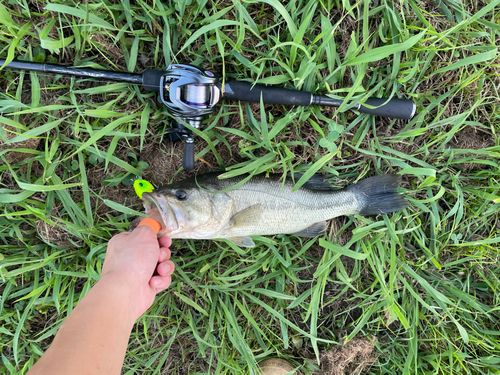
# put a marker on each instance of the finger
(160, 282)
(165, 268)
(165, 241)
(164, 254)
(144, 230)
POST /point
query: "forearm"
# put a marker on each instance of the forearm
(94, 338)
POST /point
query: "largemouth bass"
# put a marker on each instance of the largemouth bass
(264, 206)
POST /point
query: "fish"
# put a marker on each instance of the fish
(203, 207)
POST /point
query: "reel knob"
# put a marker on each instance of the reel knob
(188, 158)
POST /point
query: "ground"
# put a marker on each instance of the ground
(410, 292)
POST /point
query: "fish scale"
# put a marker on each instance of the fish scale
(286, 212)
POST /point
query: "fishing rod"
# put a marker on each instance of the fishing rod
(191, 93)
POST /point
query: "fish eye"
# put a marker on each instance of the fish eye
(181, 195)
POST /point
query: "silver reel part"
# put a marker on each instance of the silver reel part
(189, 92)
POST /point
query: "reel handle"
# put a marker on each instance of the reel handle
(178, 132)
(188, 158)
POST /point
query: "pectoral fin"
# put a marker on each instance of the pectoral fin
(248, 216)
(314, 230)
(242, 241)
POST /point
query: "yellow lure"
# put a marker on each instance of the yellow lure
(142, 186)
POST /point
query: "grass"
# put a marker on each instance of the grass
(421, 286)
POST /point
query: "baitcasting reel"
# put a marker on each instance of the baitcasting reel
(189, 93)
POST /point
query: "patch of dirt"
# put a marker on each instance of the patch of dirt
(56, 234)
(472, 138)
(165, 158)
(120, 193)
(337, 312)
(104, 43)
(334, 227)
(164, 161)
(353, 358)
(14, 157)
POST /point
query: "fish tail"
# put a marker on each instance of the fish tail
(378, 195)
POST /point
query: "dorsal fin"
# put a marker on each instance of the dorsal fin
(316, 182)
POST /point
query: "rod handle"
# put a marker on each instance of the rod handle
(247, 92)
(395, 108)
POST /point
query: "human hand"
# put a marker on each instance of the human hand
(132, 258)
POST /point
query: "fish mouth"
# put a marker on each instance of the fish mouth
(173, 216)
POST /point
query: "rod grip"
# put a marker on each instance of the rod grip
(395, 108)
(151, 79)
(245, 91)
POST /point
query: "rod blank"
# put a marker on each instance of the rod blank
(135, 79)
